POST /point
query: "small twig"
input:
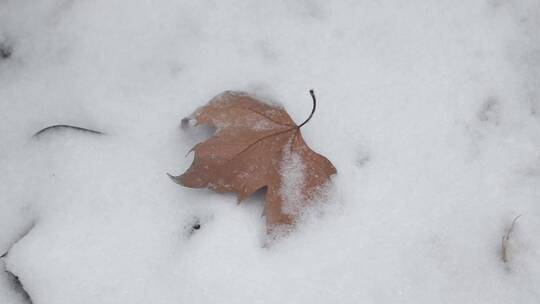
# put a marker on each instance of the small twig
(312, 110)
(18, 286)
(40, 132)
(25, 232)
(506, 239)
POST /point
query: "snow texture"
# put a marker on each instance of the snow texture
(292, 171)
(430, 111)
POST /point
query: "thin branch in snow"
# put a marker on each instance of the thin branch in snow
(18, 287)
(55, 127)
(506, 239)
(16, 284)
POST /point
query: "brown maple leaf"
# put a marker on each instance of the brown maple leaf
(257, 145)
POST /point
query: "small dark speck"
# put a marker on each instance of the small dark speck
(5, 51)
(185, 123)
(192, 227)
(362, 159)
(490, 111)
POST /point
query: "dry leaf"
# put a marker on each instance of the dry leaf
(255, 146)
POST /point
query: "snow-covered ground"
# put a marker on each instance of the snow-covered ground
(430, 110)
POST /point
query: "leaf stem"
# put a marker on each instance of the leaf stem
(312, 110)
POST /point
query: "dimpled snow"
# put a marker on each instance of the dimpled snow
(429, 110)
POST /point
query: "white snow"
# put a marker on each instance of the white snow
(430, 111)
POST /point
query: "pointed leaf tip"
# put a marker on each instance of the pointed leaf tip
(174, 178)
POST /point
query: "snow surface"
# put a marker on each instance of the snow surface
(430, 111)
